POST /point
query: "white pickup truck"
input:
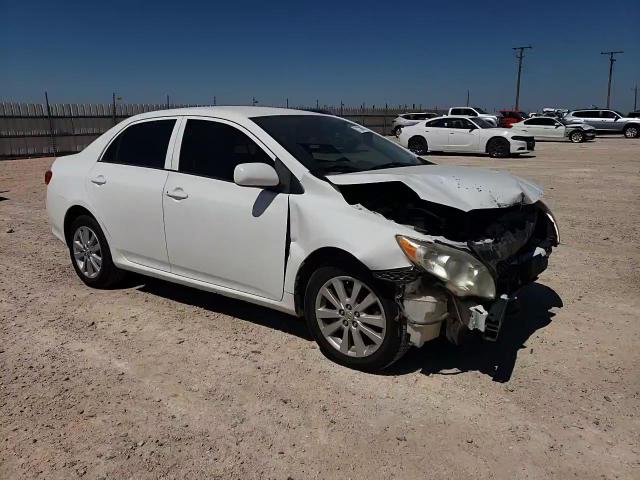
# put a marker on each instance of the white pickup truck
(473, 112)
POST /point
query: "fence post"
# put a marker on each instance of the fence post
(51, 132)
(114, 108)
(384, 128)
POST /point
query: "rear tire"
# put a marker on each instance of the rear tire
(632, 131)
(498, 148)
(576, 137)
(353, 319)
(418, 145)
(90, 254)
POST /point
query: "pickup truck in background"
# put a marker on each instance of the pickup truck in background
(473, 112)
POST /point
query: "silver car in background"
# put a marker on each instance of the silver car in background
(606, 121)
(407, 119)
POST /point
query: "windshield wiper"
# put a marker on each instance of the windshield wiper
(328, 170)
(392, 165)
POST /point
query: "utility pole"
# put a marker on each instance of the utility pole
(635, 98)
(467, 97)
(611, 60)
(520, 57)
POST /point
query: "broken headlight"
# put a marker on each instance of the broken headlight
(463, 274)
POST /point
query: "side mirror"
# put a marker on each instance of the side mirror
(472, 129)
(255, 175)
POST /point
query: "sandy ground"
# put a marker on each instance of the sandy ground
(159, 381)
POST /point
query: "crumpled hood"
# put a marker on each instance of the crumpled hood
(464, 188)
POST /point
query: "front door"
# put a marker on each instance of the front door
(219, 232)
(463, 136)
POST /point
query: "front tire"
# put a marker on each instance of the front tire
(576, 137)
(418, 145)
(354, 321)
(632, 131)
(90, 254)
(498, 148)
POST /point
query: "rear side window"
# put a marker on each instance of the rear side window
(213, 149)
(457, 111)
(439, 123)
(141, 145)
(541, 121)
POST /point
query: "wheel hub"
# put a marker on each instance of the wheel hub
(350, 316)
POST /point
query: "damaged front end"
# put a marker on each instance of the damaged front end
(469, 267)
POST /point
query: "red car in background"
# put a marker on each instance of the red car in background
(509, 117)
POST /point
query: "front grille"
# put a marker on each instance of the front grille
(398, 275)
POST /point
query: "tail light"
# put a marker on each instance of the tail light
(48, 175)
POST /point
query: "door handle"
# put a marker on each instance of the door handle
(99, 180)
(177, 194)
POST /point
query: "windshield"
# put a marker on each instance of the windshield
(479, 110)
(482, 123)
(328, 145)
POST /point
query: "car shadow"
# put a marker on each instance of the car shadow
(479, 155)
(217, 303)
(531, 312)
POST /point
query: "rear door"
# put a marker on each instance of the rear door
(591, 117)
(125, 190)
(437, 134)
(219, 232)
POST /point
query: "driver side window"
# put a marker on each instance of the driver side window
(213, 149)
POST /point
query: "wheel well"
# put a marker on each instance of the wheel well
(327, 256)
(73, 213)
(632, 124)
(492, 140)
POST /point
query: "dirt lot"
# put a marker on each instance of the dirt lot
(159, 381)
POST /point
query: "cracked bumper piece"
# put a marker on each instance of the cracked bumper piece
(425, 309)
(485, 318)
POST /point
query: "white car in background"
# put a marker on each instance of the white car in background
(407, 119)
(464, 135)
(473, 112)
(308, 214)
(549, 128)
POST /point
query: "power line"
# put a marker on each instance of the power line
(611, 60)
(520, 57)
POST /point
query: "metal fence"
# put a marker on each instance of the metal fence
(30, 130)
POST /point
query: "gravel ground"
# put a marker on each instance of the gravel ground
(155, 380)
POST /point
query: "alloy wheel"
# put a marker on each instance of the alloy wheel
(87, 252)
(350, 316)
(631, 132)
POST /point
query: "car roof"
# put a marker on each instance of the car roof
(230, 112)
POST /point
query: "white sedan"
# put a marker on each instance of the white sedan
(549, 128)
(304, 213)
(464, 135)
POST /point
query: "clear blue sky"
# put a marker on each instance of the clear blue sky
(373, 52)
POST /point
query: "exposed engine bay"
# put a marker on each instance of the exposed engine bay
(513, 242)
